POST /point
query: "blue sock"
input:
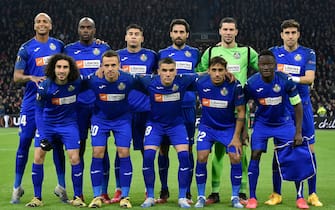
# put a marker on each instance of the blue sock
(21, 160)
(97, 176)
(126, 174)
(59, 161)
(117, 170)
(77, 179)
(191, 172)
(312, 180)
(183, 172)
(149, 171)
(276, 179)
(236, 178)
(163, 164)
(37, 177)
(201, 177)
(300, 189)
(106, 169)
(253, 173)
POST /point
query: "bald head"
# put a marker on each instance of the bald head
(87, 19)
(86, 30)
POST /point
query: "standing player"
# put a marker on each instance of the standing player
(240, 59)
(111, 113)
(135, 60)
(300, 63)
(271, 92)
(186, 58)
(219, 99)
(56, 119)
(29, 69)
(166, 91)
(87, 54)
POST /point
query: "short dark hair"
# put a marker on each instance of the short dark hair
(166, 60)
(218, 60)
(50, 68)
(109, 54)
(266, 52)
(289, 24)
(180, 22)
(228, 20)
(134, 25)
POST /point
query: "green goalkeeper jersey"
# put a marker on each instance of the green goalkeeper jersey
(237, 60)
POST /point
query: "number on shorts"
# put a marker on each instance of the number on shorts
(148, 130)
(23, 120)
(94, 130)
(201, 136)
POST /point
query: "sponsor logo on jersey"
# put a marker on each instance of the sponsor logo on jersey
(184, 65)
(167, 97)
(64, 100)
(271, 101)
(42, 61)
(111, 97)
(82, 64)
(288, 69)
(214, 103)
(135, 69)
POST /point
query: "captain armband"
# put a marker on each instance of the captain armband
(295, 100)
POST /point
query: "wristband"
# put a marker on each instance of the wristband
(295, 79)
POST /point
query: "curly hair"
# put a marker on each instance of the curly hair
(50, 68)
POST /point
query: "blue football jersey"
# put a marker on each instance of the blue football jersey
(88, 60)
(166, 101)
(111, 97)
(271, 98)
(296, 63)
(141, 62)
(32, 57)
(58, 102)
(186, 62)
(219, 102)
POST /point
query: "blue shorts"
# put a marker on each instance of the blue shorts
(139, 120)
(208, 136)
(189, 115)
(84, 114)
(261, 134)
(68, 134)
(27, 125)
(155, 131)
(100, 131)
(308, 130)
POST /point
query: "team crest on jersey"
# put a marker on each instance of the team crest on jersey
(121, 86)
(297, 57)
(224, 91)
(237, 55)
(52, 46)
(70, 88)
(188, 54)
(175, 87)
(96, 51)
(144, 57)
(276, 88)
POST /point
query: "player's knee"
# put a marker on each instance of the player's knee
(234, 158)
(256, 155)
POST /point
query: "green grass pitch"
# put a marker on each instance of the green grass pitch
(324, 147)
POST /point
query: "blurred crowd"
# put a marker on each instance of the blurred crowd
(258, 23)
